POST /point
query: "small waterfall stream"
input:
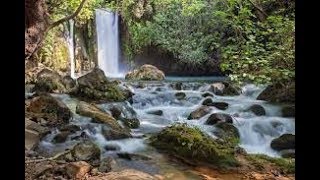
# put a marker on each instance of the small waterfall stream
(70, 41)
(107, 27)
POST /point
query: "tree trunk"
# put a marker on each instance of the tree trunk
(36, 22)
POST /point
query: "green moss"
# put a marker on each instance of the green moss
(284, 164)
(187, 142)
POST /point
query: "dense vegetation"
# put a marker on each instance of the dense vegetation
(253, 39)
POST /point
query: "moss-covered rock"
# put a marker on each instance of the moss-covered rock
(49, 81)
(146, 72)
(285, 141)
(228, 132)
(194, 145)
(52, 110)
(95, 87)
(86, 151)
(281, 92)
(200, 112)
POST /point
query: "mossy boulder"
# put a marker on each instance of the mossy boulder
(86, 151)
(146, 72)
(95, 87)
(52, 110)
(219, 117)
(288, 111)
(200, 112)
(257, 110)
(49, 81)
(285, 141)
(228, 132)
(280, 92)
(192, 144)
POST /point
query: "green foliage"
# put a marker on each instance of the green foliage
(54, 52)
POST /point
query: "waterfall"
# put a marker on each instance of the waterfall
(108, 42)
(70, 41)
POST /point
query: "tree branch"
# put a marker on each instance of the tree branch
(54, 24)
(258, 8)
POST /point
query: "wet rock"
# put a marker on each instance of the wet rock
(185, 142)
(127, 174)
(219, 117)
(200, 112)
(70, 128)
(54, 111)
(177, 86)
(224, 89)
(115, 111)
(207, 95)
(86, 151)
(145, 72)
(77, 170)
(281, 92)
(180, 95)
(61, 137)
(95, 87)
(207, 102)
(97, 114)
(112, 134)
(107, 164)
(289, 111)
(288, 153)
(227, 132)
(69, 83)
(156, 112)
(112, 147)
(257, 110)
(32, 139)
(285, 141)
(133, 156)
(131, 123)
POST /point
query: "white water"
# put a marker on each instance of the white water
(70, 42)
(256, 132)
(107, 28)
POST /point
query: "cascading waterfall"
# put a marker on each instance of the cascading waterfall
(70, 41)
(108, 42)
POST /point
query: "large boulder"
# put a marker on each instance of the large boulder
(98, 115)
(280, 92)
(219, 117)
(285, 141)
(227, 132)
(95, 87)
(288, 111)
(50, 81)
(224, 89)
(257, 110)
(192, 144)
(200, 112)
(146, 72)
(46, 107)
(86, 151)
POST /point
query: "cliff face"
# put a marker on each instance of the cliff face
(35, 24)
(171, 66)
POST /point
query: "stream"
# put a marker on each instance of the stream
(256, 132)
